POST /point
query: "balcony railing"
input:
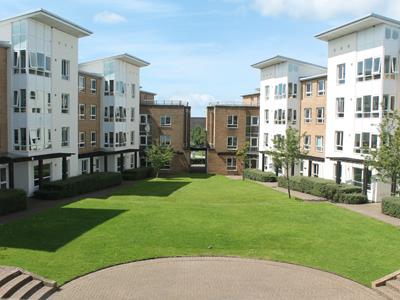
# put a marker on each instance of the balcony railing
(233, 103)
(166, 102)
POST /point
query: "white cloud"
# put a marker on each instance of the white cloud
(108, 17)
(324, 9)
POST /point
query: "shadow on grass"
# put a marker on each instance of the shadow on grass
(153, 189)
(55, 229)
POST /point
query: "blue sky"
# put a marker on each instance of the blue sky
(201, 51)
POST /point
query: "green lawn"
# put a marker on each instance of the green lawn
(189, 216)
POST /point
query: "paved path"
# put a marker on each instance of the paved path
(36, 206)
(212, 278)
(372, 210)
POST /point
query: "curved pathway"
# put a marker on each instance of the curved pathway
(212, 278)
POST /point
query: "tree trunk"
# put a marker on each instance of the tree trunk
(288, 181)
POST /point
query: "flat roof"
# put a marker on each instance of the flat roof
(146, 92)
(356, 25)
(314, 77)
(53, 20)
(281, 59)
(130, 59)
(4, 44)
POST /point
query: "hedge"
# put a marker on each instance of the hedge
(139, 173)
(328, 189)
(78, 185)
(391, 206)
(12, 201)
(259, 175)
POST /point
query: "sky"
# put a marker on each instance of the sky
(202, 51)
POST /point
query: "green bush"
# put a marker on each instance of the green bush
(12, 200)
(391, 206)
(78, 185)
(139, 173)
(259, 175)
(324, 188)
(353, 198)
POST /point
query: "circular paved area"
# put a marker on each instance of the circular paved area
(212, 278)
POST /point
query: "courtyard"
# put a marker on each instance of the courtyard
(198, 215)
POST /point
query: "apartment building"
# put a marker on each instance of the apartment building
(229, 127)
(42, 98)
(119, 109)
(4, 171)
(280, 101)
(166, 123)
(363, 86)
(91, 156)
(313, 124)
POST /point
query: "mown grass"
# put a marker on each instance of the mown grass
(200, 215)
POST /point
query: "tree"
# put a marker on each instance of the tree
(385, 159)
(159, 156)
(287, 152)
(198, 137)
(243, 155)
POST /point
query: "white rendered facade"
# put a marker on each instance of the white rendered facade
(119, 111)
(369, 50)
(43, 69)
(280, 96)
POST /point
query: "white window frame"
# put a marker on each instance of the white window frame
(341, 73)
(308, 88)
(320, 119)
(307, 115)
(165, 140)
(340, 114)
(93, 86)
(165, 121)
(232, 143)
(339, 135)
(252, 123)
(319, 148)
(266, 141)
(266, 115)
(251, 142)
(231, 163)
(93, 142)
(82, 139)
(93, 112)
(65, 103)
(321, 92)
(82, 83)
(66, 130)
(82, 115)
(84, 166)
(65, 69)
(231, 121)
(307, 142)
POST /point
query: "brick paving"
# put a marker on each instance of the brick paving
(36, 206)
(212, 278)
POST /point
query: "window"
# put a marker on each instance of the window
(165, 121)
(320, 115)
(377, 68)
(132, 163)
(309, 89)
(81, 139)
(280, 116)
(340, 107)
(84, 166)
(65, 68)
(93, 138)
(389, 103)
(292, 90)
(143, 119)
(254, 121)
(319, 143)
(315, 170)
(133, 90)
(34, 139)
(20, 139)
(143, 140)
(267, 92)
(307, 115)
(321, 87)
(280, 91)
(65, 136)
(65, 103)
(46, 174)
(365, 141)
(307, 142)
(96, 165)
(82, 83)
(19, 101)
(32, 95)
(357, 176)
(266, 139)
(338, 140)
(232, 121)
(49, 109)
(292, 116)
(3, 178)
(165, 140)
(266, 113)
(367, 107)
(232, 143)
(82, 111)
(132, 137)
(93, 86)
(48, 143)
(231, 164)
(93, 112)
(341, 74)
(254, 142)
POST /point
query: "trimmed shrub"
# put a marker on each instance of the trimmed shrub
(78, 185)
(391, 206)
(12, 201)
(139, 173)
(325, 188)
(353, 198)
(259, 175)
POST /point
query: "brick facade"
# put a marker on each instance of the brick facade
(3, 101)
(218, 133)
(178, 131)
(88, 124)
